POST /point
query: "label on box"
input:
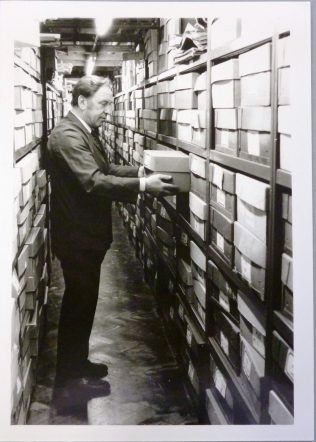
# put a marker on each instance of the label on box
(171, 312)
(189, 337)
(220, 197)
(191, 371)
(289, 365)
(225, 138)
(184, 239)
(258, 341)
(220, 241)
(220, 383)
(224, 343)
(181, 312)
(218, 175)
(246, 364)
(245, 269)
(253, 142)
(223, 300)
(170, 286)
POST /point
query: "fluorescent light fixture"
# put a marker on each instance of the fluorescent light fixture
(90, 64)
(102, 24)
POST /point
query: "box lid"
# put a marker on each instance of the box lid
(228, 70)
(165, 237)
(197, 256)
(201, 82)
(255, 60)
(163, 87)
(255, 118)
(28, 166)
(256, 359)
(287, 271)
(278, 411)
(222, 178)
(249, 245)
(198, 206)
(186, 81)
(166, 161)
(249, 310)
(200, 292)
(252, 191)
(22, 261)
(197, 165)
(226, 119)
(35, 239)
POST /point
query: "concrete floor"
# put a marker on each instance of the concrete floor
(146, 383)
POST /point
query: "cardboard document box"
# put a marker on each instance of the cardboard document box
(224, 31)
(256, 60)
(222, 178)
(214, 411)
(287, 228)
(185, 274)
(170, 162)
(255, 118)
(198, 175)
(255, 146)
(185, 99)
(201, 82)
(283, 355)
(199, 300)
(278, 412)
(252, 191)
(228, 70)
(222, 386)
(284, 51)
(226, 94)
(287, 271)
(35, 240)
(284, 77)
(253, 219)
(24, 226)
(186, 81)
(167, 245)
(168, 122)
(198, 215)
(226, 133)
(198, 124)
(252, 370)
(223, 201)
(255, 89)
(198, 263)
(19, 138)
(286, 153)
(252, 323)
(222, 235)
(222, 290)
(227, 336)
(22, 261)
(184, 126)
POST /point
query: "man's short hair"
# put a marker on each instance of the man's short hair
(87, 86)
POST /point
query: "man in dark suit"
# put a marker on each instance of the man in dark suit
(83, 186)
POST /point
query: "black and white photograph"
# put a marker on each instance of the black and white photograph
(158, 245)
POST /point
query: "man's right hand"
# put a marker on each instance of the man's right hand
(160, 185)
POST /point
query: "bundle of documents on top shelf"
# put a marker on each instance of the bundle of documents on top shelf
(193, 42)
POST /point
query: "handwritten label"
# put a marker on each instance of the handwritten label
(258, 341)
(253, 142)
(220, 197)
(246, 365)
(224, 343)
(220, 383)
(225, 138)
(218, 175)
(289, 365)
(224, 301)
(246, 269)
(220, 242)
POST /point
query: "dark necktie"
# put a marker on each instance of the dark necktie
(95, 134)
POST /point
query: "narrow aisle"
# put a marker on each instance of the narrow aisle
(146, 382)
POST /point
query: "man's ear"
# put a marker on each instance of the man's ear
(82, 102)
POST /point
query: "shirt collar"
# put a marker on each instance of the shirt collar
(82, 121)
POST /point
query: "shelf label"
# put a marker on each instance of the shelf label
(224, 343)
(220, 241)
(289, 365)
(220, 197)
(218, 175)
(246, 269)
(220, 383)
(225, 138)
(258, 341)
(189, 337)
(246, 364)
(253, 142)
(181, 312)
(224, 301)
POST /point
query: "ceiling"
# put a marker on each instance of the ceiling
(78, 40)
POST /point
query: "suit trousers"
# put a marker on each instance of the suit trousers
(81, 270)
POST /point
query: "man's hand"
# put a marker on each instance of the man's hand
(160, 185)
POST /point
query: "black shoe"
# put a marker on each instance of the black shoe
(75, 394)
(94, 371)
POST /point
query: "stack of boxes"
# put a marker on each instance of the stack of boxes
(29, 279)
(284, 110)
(287, 260)
(151, 52)
(198, 265)
(170, 29)
(167, 113)
(149, 114)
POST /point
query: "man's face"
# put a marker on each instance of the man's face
(98, 106)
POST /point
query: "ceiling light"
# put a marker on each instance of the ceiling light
(102, 25)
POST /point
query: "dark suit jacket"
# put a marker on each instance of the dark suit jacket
(83, 187)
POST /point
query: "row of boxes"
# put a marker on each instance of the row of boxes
(30, 56)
